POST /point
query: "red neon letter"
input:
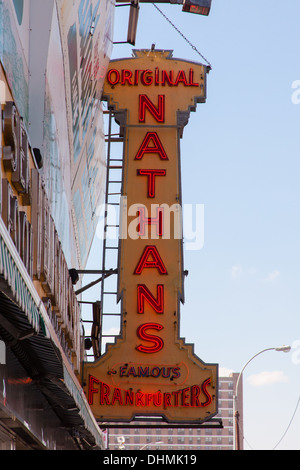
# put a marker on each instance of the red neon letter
(146, 80)
(104, 395)
(156, 148)
(181, 78)
(167, 399)
(117, 397)
(195, 392)
(191, 78)
(92, 390)
(129, 397)
(166, 77)
(158, 221)
(151, 174)
(126, 77)
(158, 343)
(206, 393)
(158, 112)
(109, 77)
(156, 262)
(144, 294)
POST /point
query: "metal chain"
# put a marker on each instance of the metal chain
(181, 34)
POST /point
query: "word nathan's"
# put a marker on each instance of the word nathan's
(150, 369)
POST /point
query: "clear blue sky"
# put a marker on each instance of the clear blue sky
(240, 159)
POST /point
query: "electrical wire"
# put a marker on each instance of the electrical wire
(182, 35)
(288, 424)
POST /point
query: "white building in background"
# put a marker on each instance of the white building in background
(184, 438)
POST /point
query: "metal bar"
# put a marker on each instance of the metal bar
(176, 2)
(111, 314)
(217, 425)
(95, 271)
(79, 291)
(115, 139)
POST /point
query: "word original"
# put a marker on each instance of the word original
(151, 77)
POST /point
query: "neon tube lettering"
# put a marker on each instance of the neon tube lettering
(158, 343)
(151, 175)
(158, 112)
(156, 148)
(145, 295)
(150, 251)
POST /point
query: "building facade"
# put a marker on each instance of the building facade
(165, 438)
(53, 59)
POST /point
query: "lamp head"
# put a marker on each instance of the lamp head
(200, 7)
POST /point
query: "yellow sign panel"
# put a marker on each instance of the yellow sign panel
(150, 370)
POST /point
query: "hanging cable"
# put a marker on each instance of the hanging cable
(182, 35)
(288, 424)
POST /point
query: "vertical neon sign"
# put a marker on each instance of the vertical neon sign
(150, 369)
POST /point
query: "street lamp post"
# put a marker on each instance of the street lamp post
(236, 412)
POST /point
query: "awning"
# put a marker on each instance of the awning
(27, 330)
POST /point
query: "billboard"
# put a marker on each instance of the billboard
(86, 32)
(55, 54)
(150, 370)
